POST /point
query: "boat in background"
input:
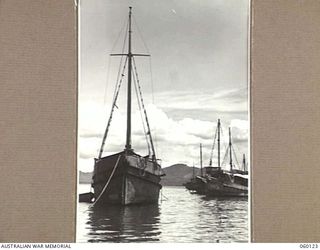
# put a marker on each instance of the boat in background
(191, 184)
(222, 183)
(197, 184)
(217, 182)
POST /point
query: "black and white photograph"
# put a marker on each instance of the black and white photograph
(163, 121)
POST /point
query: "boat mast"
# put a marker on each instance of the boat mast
(230, 149)
(129, 56)
(244, 162)
(201, 172)
(219, 166)
(128, 138)
(193, 171)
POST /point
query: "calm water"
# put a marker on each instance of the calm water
(179, 217)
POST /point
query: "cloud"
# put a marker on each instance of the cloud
(233, 100)
(176, 141)
(86, 155)
(224, 104)
(205, 43)
(200, 75)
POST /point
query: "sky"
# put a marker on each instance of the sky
(197, 73)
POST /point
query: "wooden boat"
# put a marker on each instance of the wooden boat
(197, 184)
(86, 197)
(226, 183)
(191, 184)
(126, 177)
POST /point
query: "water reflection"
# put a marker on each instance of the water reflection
(124, 224)
(183, 217)
(229, 217)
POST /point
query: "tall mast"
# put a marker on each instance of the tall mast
(201, 172)
(193, 171)
(244, 162)
(130, 56)
(128, 138)
(219, 166)
(230, 149)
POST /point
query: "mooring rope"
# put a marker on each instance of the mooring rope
(106, 185)
(163, 196)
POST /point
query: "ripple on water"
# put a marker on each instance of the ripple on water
(183, 217)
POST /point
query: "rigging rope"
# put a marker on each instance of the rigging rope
(225, 156)
(121, 59)
(125, 24)
(150, 67)
(153, 102)
(140, 34)
(238, 151)
(214, 141)
(119, 80)
(152, 85)
(117, 89)
(151, 75)
(143, 107)
(107, 82)
(235, 156)
(224, 143)
(141, 115)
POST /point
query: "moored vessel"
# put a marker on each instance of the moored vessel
(222, 183)
(197, 184)
(126, 177)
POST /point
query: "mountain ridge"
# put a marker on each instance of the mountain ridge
(176, 175)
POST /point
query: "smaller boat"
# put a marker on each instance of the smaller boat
(86, 197)
(244, 170)
(191, 184)
(197, 184)
(221, 183)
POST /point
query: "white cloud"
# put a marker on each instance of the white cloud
(200, 75)
(176, 141)
(234, 100)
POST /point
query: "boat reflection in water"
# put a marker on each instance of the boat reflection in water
(228, 218)
(134, 223)
(181, 217)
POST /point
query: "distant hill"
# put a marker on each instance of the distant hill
(85, 177)
(176, 175)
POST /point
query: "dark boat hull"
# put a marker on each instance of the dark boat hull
(191, 185)
(196, 185)
(129, 184)
(86, 197)
(218, 188)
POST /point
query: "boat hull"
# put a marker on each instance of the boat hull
(216, 188)
(196, 185)
(129, 184)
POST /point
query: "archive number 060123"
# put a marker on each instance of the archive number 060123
(305, 245)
